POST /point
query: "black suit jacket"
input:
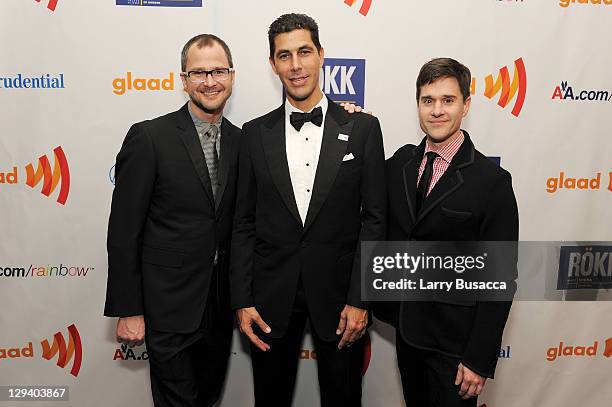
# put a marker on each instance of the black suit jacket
(472, 201)
(164, 226)
(271, 248)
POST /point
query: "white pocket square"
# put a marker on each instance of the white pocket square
(348, 157)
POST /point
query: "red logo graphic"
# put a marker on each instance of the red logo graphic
(66, 353)
(365, 6)
(51, 178)
(51, 5)
(608, 351)
(509, 89)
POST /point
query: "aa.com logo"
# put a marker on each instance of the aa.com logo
(565, 92)
(365, 6)
(594, 350)
(65, 349)
(311, 354)
(44, 174)
(511, 88)
(130, 354)
(51, 4)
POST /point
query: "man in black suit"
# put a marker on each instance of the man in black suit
(169, 233)
(309, 192)
(446, 190)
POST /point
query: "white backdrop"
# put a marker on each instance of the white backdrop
(92, 43)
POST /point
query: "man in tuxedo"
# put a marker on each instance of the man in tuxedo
(446, 190)
(309, 191)
(169, 233)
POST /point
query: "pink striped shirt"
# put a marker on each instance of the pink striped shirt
(441, 163)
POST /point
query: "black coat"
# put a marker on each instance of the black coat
(164, 226)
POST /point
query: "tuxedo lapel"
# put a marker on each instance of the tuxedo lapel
(189, 136)
(451, 180)
(228, 144)
(330, 158)
(274, 146)
(410, 172)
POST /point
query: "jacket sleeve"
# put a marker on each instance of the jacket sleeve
(135, 170)
(243, 234)
(500, 223)
(373, 206)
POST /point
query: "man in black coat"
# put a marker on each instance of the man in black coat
(446, 190)
(309, 191)
(169, 233)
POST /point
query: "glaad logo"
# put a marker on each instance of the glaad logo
(365, 6)
(73, 351)
(554, 184)
(65, 353)
(518, 87)
(51, 4)
(585, 267)
(566, 92)
(60, 174)
(343, 80)
(160, 3)
(564, 350)
(566, 3)
(122, 85)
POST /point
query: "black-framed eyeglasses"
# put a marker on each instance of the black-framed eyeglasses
(199, 76)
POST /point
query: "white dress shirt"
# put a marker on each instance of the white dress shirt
(303, 148)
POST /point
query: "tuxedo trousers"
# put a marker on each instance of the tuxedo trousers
(274, 371)
(428, 377)
(188, 370)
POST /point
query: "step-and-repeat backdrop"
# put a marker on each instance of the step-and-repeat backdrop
(74, 75)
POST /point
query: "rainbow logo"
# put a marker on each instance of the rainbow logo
(509, 90)
(51, 5)
(365, 6)
(66, 353)
(50, 178)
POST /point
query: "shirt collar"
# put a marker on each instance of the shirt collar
(447, 151)
(202, 123)
(289, 108)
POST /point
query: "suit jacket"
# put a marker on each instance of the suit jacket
(164, 225)
(271, 249)
(472, 201)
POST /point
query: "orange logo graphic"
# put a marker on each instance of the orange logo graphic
(51, 5)
(509, 90)
(51, 178)
(66, 353)
(608, 351)
(365, 6)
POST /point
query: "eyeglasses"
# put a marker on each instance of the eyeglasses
(219, 74)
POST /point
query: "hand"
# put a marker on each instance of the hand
(353, 108)
(131, 330)
(471, 383)
(246, 317)
(352, 325)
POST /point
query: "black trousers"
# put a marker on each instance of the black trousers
(428, 377)
(274, 371)
(188, 370)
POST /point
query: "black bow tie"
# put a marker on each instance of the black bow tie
(298, 119)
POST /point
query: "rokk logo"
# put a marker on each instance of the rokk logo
(585, 267)
(585, 350)
(563, 181)
(132, 82)
(60, 174)
(343, 80)
(365, 6)
(66, 351)
(51, 4)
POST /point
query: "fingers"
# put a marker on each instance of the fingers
(248, 331)
(341, 324)
(471, 391)
(246, 317)
(459, 377)
(262, 325)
